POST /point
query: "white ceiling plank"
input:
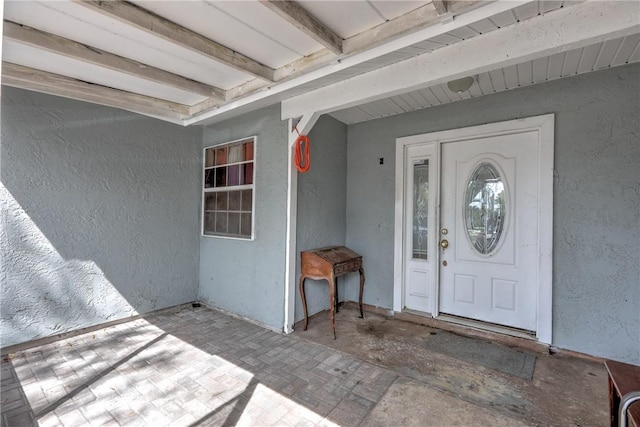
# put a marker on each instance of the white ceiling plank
(549, 5)
(297, 16)
(511, 76)
(431, 97)
(628, 46)
(635, 56)
(428, 45)
(571, 62)
(400, 101)
(589, 56)
(526, 11)
(504, 19)
(556, 62)
(474, 90)
(442, 93)
(484, 26)
(607, 53)
(158, 26)
(49, 42)
(525, 73)
(392, 106)
(497, 80)
(540, 67)
(563, 30)
(40, 81)
(351, 116)
(446, 39)
(410, 101)
(374, 109)
(464, 33)
(393, 9)
(484, 83)
(351, 18)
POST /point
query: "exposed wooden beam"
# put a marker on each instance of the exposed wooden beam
(441, 6)
(408, 23)
(296, 15)
(52, 43)
(174, 33)
(53, 84)
(570, 28)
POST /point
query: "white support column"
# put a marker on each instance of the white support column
(304, 127)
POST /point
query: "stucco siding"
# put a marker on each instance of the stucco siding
(99, 215)
(596, 271)
(242, 276)
(322, 206)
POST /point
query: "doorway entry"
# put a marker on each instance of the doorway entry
(473, 231)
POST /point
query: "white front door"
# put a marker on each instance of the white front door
(482, 248)
(489, 229)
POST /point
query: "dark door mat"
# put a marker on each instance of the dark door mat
(493, 356)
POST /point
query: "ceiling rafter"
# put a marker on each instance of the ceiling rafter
(413, 21)
(41, 81)
(296, 15)
(69, 48)
(441, 6)
(174, 33)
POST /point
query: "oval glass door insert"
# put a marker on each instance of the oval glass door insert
(485, 208)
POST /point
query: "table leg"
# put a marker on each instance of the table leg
(335, 283)
(361, 270)
(614, 402)
(304, 301)
(332, 298)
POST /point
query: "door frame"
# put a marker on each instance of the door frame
(544, 126)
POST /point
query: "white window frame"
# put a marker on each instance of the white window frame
(252, 187)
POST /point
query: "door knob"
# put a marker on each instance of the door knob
(444, 244)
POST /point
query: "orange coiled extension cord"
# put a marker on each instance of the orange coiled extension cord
(303, 161)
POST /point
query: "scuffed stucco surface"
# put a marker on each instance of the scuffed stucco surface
(596, 277)
(100, 213)
(322, 206)
(242, 276)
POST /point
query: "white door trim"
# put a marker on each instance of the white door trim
(544, 125)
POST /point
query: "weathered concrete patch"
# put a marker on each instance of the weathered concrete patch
(411, 403)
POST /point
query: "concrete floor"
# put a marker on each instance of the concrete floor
(564, 391)
(191, 367)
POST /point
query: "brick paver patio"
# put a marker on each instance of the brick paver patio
(188, 367)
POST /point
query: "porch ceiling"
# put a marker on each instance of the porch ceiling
(203, 61)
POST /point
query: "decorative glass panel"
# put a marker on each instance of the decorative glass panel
(420, 208)
(485, 208)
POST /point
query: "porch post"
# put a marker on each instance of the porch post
(304, 127)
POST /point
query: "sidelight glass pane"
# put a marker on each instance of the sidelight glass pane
(485, 208)
(420, 208)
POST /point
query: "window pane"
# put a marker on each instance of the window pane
(221, 156)
(247, 200)
(234, 200)
(248, 151)
(209, 222)
(221, 222)
(420, 209)
(233, 175)
(209, 156)
(210, 201)
(484, 208)
(221, 177)
(234, 223)
(235, 153)
(247, 173)
(221, 201)
(246, 224)
(209, 175)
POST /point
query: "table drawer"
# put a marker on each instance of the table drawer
(347, 267)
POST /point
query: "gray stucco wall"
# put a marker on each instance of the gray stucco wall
(241, 276)
(596, 277)
(100, 214)
(322, 206)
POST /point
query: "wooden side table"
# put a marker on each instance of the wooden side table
(623, 379)
(328, 264)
